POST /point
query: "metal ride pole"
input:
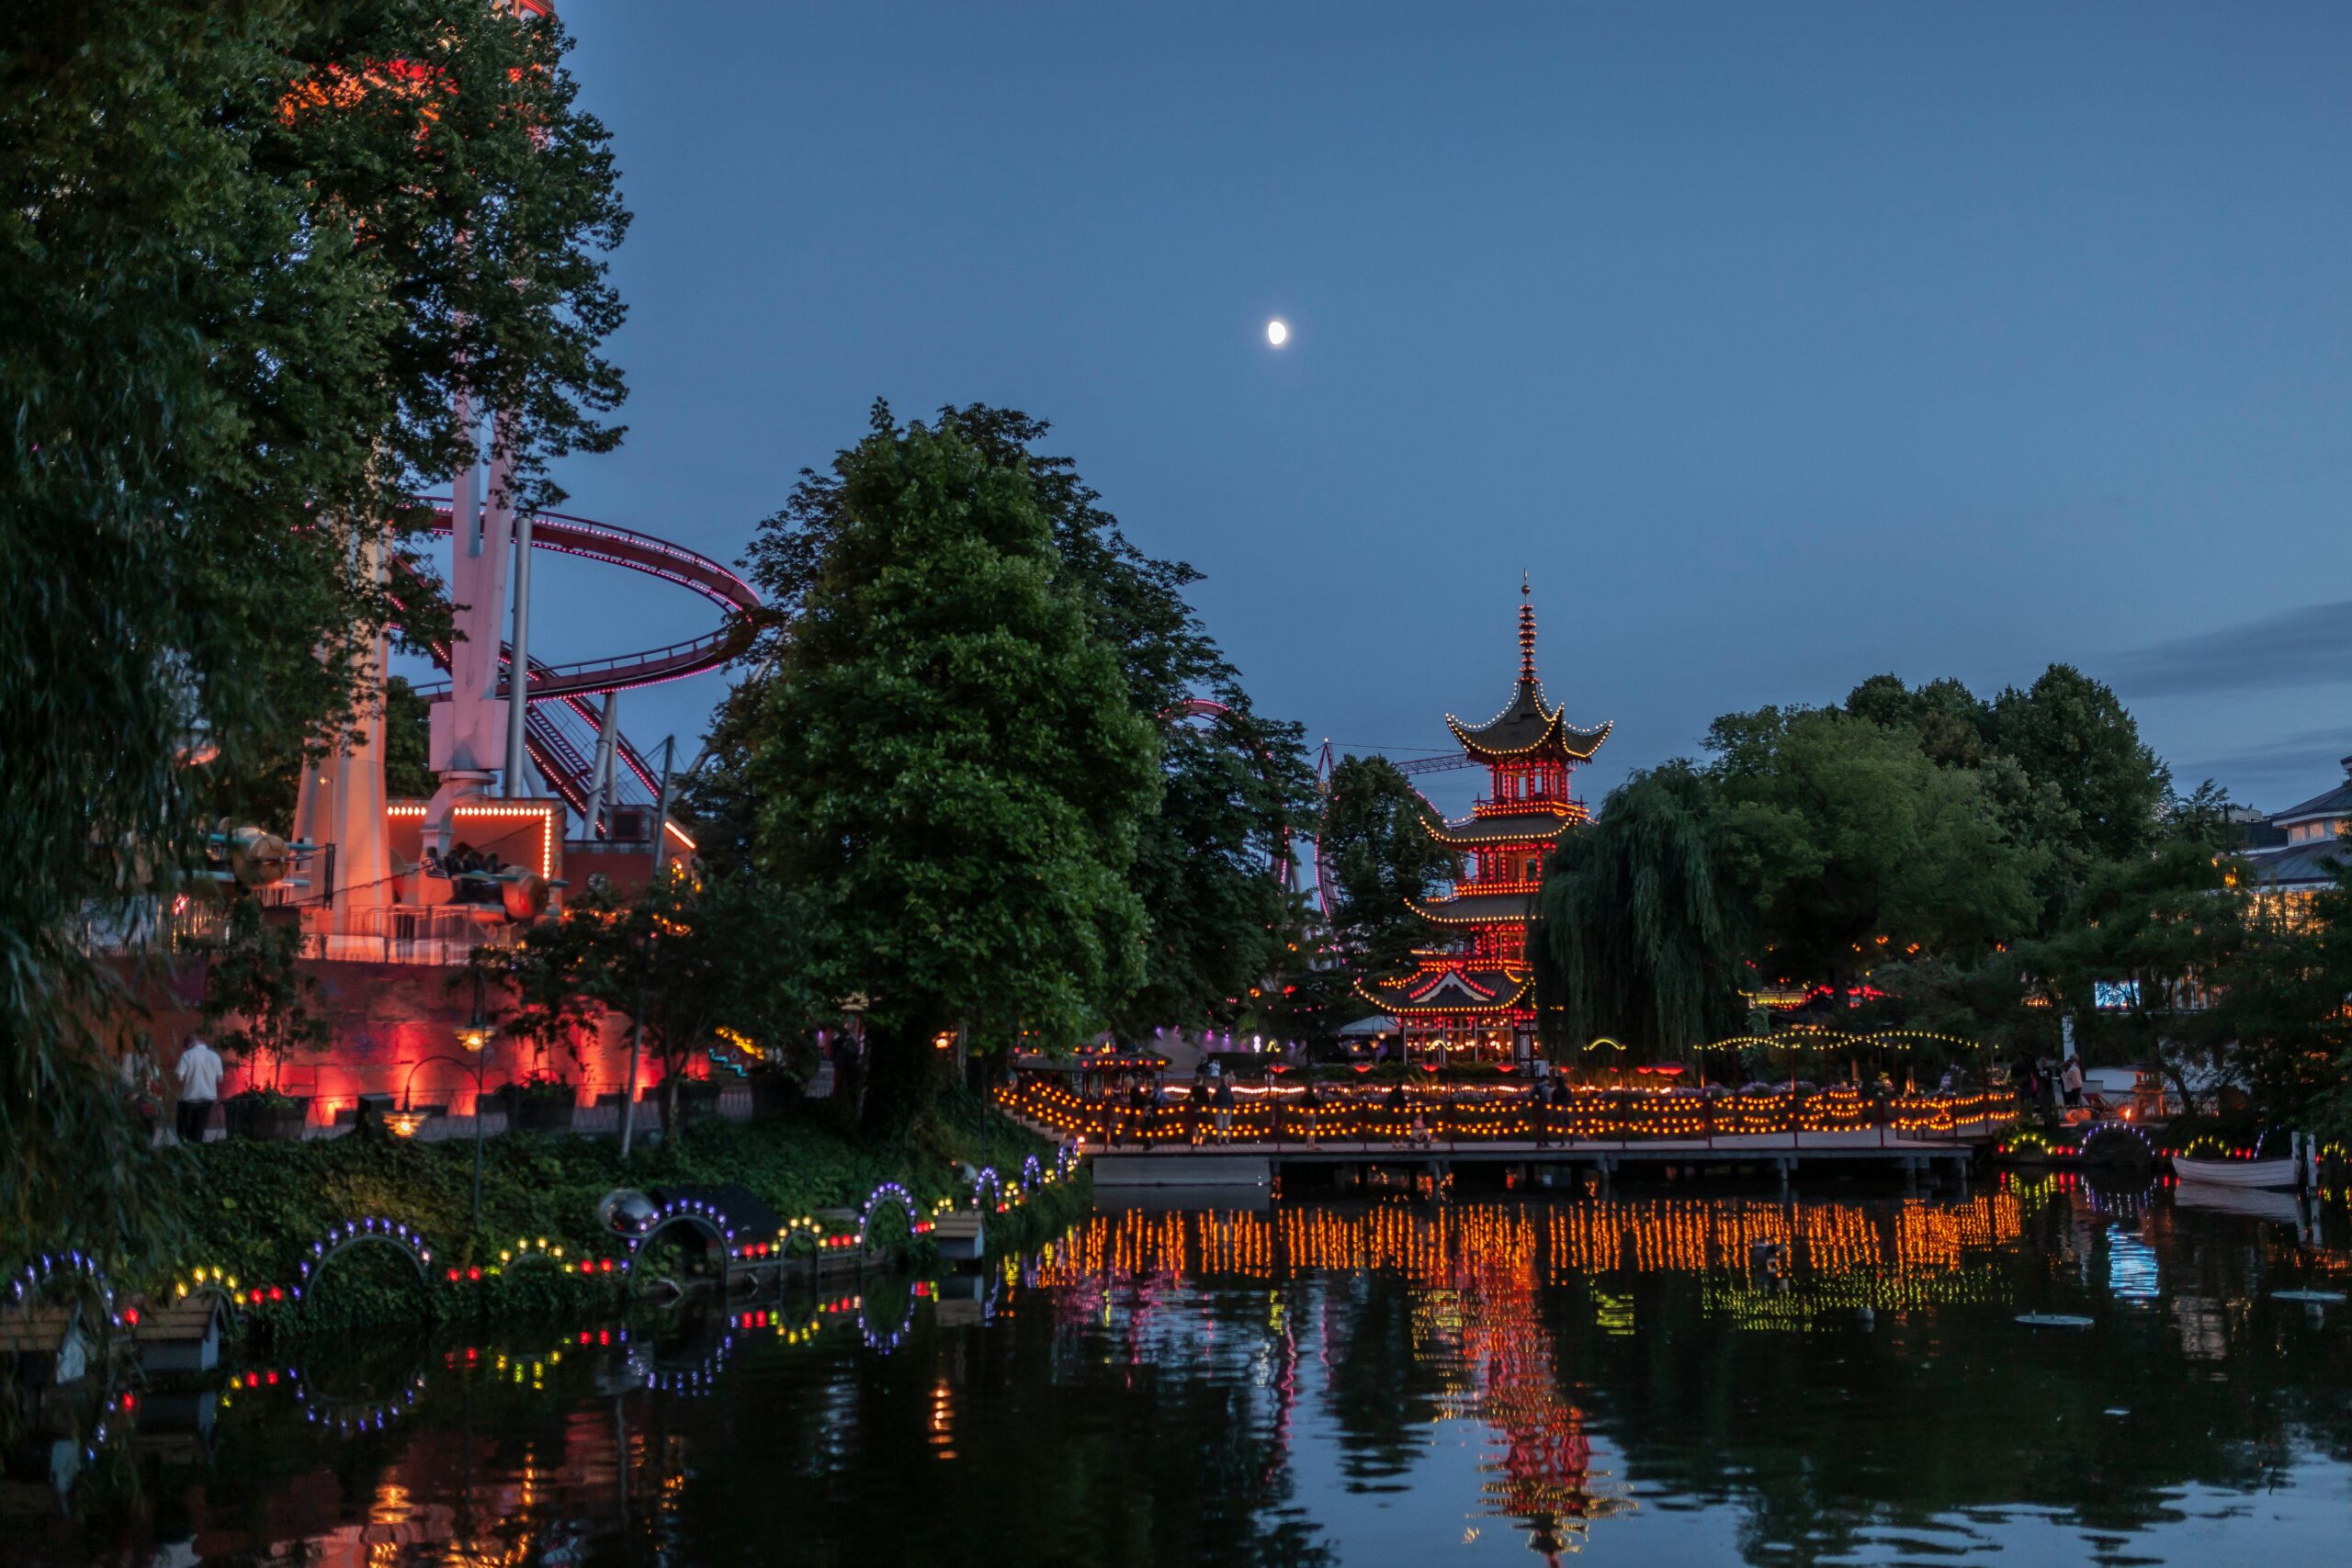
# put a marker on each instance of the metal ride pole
(600, 770)
(481, 1069)
(662, 811)
(518, 664)
(637, 1023)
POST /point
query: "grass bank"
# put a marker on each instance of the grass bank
(256, 1207)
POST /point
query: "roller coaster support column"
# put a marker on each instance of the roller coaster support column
(662, 811)
(470, 729)
(518, 662)
(341, 803)
(600, 771)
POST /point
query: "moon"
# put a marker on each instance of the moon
(1277, 333)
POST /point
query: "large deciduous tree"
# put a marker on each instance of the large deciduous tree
(2070, 732)
(1377, 844)
(949, 764)
(1234, 787)
(248, 252)
(2061, 761)
(2174, 959)
(1858, 847)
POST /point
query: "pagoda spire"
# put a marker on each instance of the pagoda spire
(1526, 630)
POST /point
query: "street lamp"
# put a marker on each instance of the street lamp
(473, 1039)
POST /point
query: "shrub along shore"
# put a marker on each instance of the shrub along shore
(256, 1207)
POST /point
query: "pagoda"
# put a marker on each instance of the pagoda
(1473, 992)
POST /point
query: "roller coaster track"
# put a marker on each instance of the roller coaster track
(560, 694)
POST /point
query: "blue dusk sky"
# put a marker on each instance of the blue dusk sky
(1781, 345)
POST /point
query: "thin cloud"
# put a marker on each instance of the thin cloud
(2308, 647)
(2291, 768)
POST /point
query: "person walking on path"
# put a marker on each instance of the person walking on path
(199, 1076)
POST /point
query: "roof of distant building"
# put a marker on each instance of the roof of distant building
(2337, 802)
(2311, 864)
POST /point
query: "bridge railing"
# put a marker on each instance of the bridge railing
(1465, 1116)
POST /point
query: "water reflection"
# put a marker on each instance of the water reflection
(1666, 1379)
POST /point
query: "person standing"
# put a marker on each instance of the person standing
(2073, 1079)
(199, 1076)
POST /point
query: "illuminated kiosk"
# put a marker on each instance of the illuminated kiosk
(1472, 995)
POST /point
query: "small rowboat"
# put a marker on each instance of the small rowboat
(2236, 1172)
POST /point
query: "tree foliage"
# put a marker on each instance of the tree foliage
(1857, 847)
(1378, 847)
(681, 959)
(949, 764)
(256, 997)
(2061, 761)
(2172, 958)
(248, 252)
(1638, 934)
(1233, 789)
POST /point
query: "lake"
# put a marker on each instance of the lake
(1668, 1376)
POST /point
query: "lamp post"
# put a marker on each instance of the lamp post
(476, 1042)
(475, 1039)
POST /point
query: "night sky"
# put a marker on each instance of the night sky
(1781, 345)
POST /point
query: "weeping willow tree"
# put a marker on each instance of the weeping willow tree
(1638, 935)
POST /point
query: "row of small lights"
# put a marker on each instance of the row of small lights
(1664, 1112)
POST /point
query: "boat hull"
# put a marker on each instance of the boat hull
(2261, 1173)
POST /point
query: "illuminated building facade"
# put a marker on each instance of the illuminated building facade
(1473, 992)
(2295, 853)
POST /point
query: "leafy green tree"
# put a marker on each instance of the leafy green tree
(2071, 733)
(2215, 982)
(1377, 844)
(245, 261)
(1638, 933)
(2062, 762)
(1858, 847)
(257, 998)
(680, 959)
(949, 764)
(1218, 917)
(1233, 790)
(1952, 724)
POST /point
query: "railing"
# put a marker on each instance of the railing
(1456, 1116)
(441, 934)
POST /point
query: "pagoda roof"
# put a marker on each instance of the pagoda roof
(1528, 726)
(1448, 992)
(1519, 828)
(1475, 908)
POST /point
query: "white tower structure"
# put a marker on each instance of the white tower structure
(469, 736)
(341, 805)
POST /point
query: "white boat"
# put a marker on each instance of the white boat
(2236, 1172)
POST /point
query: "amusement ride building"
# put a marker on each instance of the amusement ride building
(1473, 993)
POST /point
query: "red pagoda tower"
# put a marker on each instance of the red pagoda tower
(1473, 992)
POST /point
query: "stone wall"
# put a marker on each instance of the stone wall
(388, 1022)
